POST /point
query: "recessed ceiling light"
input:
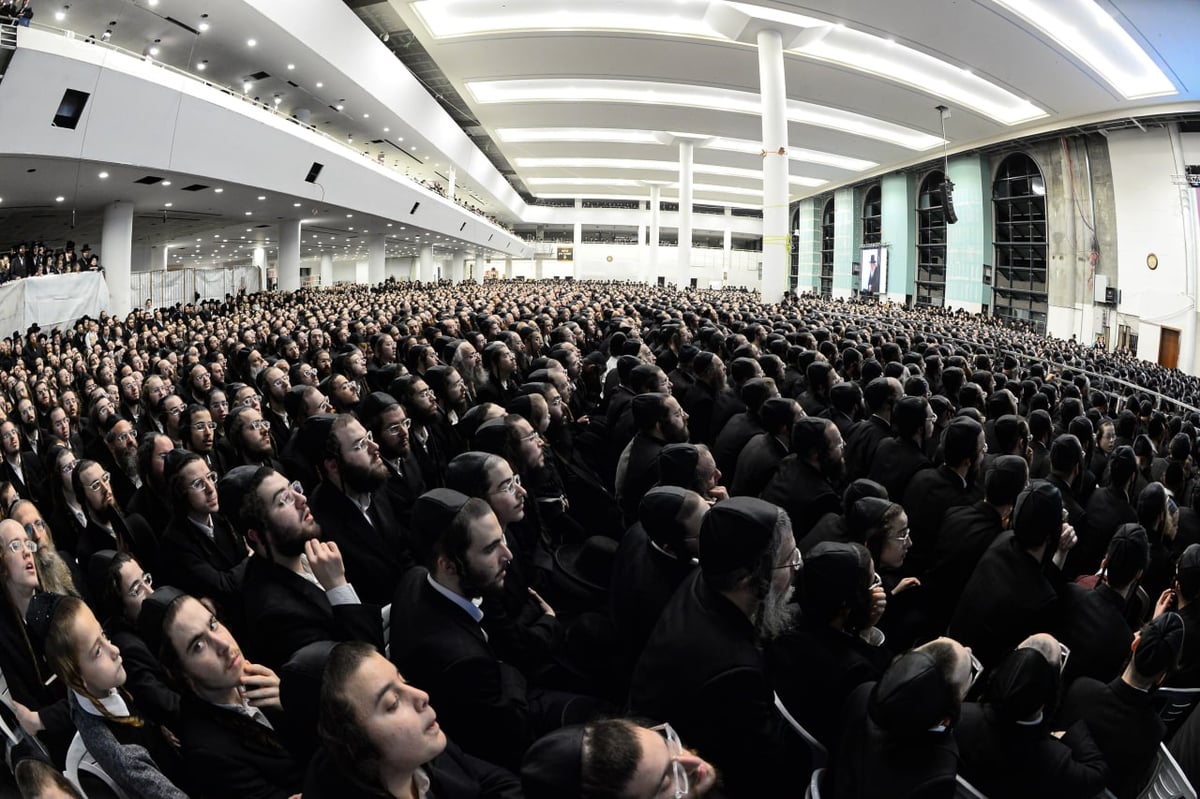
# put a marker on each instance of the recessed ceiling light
(340, 106)
(153, 51)
(59, 198)
(167, 205)
(262, 197)
(320, 85)
(166, 183)
(59, 16)
(349, 216)
(251, 42)
(203, 26)
(385, 130)
(295, 205)
(366, 116)
(103, 175)
(218, 191)
(249, 213)
(291, 66)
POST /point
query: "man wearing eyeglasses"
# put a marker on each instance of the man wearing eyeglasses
(352, 507)
(274, 384)
(119, 457)
(21, 467)
(199, 552)
(386, 420)
(296, 591)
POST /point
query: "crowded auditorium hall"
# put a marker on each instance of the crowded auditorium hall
(444, 399)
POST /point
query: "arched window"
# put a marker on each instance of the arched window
(827, 217)
(794, 249)
(872, 217)
(1019, 201)
(931, 243)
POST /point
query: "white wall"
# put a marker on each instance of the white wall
(631, 262)
(1155, 216)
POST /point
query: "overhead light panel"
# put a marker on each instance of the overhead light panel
(656, 166)
(543, 90)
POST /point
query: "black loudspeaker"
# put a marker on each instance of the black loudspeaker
(947, 192)
(314, 172)
(413, 210)
(70, 109)
(460, 227)
(1111, 297)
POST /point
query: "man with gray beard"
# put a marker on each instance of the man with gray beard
(469, 363)
(703, 668)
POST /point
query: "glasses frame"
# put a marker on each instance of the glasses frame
(675, 751)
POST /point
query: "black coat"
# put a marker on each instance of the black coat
(146, 680)
(35, 486)
(699, 402)
(756, 465)
(895, 463)
(202, 566)
(229, 754)
(966, 533)
(375, 555)
(930, 493)
(1107, 509)
(151, 504)
(1005, 759)
(1009, 597)
(1092, 623)
(865, 438)
(404, 484)
(731, 439)
(452, 775)
(1124, 724)
(26, 674)
(800, 489)
(644, 578)
(286, 612)
(480, 700)
(703, 655)
(639, 475)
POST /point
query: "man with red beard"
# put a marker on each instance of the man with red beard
(351, 505)
(295, 590)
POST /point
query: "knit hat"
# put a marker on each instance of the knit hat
(553, 766)
(1021, 685)
(231, 489)
(432, 513)
(677, 465)
(912, 695)
(658, 513)
(1159, 644)
(314, 434)
(1007, 478)
(1037, 516)
(735, 534)
(153, 612)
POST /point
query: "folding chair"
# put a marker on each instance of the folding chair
(1169, 781)
(79, 759)
(1174, 705)
(820, 755)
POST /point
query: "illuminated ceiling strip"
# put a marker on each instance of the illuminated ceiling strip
(643, 197)
(655, 166)
(837, 44)
(623, 136)
(549, 90)
(1087, 31)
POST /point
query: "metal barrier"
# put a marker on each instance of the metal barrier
(182, 286)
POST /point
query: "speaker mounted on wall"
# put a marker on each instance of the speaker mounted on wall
(947, 192)
(314, 172)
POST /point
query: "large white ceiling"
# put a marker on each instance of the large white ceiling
(572, 45)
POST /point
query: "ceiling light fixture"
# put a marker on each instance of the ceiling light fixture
(656, 166)
(103, 175)
(601, 90)
(251, 42)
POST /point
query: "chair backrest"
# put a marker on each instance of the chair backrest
(814, 784)
(1174, 705)
(965, 790)
(820, 755)
(1169, 781)
(80, 759)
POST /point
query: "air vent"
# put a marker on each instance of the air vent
(195, 187)
(293, 84)
(149, 180)
(258, 76)
(187, 28)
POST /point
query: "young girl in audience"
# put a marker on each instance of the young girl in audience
(126, 746)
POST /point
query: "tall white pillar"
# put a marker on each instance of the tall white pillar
(458, 266)
(259, 261)
(159, 258)
(116, 248)
(326, 269)
(508, 269)
(655, 227)
(362, 272)
(576, 239)
(376, 259)
(539, 265)
(479, 268)
(775, 165)
(684, 263)
(451, 180)
(425, 270)
(287, 269)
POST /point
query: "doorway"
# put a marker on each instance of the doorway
(1168, 348)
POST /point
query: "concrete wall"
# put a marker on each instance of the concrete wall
(847, 238)
(898, 232)
(808, 244)
(968, 241)
(631, 262)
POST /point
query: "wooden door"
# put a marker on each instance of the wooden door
(1168, 348)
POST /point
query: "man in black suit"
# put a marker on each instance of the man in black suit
(1092, 621)
(1041, 426)
(302, 402)
(290, 601)
(881, 395)
(931, 492)
(352, 507)
(660, 421)
(758, 460)
(805, 485)
(898, 459)
(199, 552)
(381, 414)
(24, 470)
(1121, 715)
(437, 642)
(742, 427)
(1013, 592)
(700, 400)
(872, 276)
(1107, 509)
(1066, 466)
(705, 651)
(273, 384)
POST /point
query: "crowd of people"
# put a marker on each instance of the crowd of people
(30, 259)
(585, 539)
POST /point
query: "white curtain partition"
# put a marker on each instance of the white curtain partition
(165, 289)
(51, 301)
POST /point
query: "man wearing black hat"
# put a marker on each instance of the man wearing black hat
(1121, 715)
(737, 432)
(1108, 508)
(881, 396)
(898, 459)
(1092, 621)
(295, 590)
(806, 483)
(660, 421)
(21, 264)
(20, 467)
(705, 651)
(700, 400)
(352, 507)
(1067, 464)
(758, 460)
(386, 420)
(1184, 596)
(1013, 592)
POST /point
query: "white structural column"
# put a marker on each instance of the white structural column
(458, 266)
(576, 239)
(684, 265)
(326, 273)
(116, 245)
(775, 165)
(259, 261)
(508, 269)
(425, 268)
(451, 180)
(159, 257)
(287, 269)
(376, 259)
(655, 227)
(479, 268)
